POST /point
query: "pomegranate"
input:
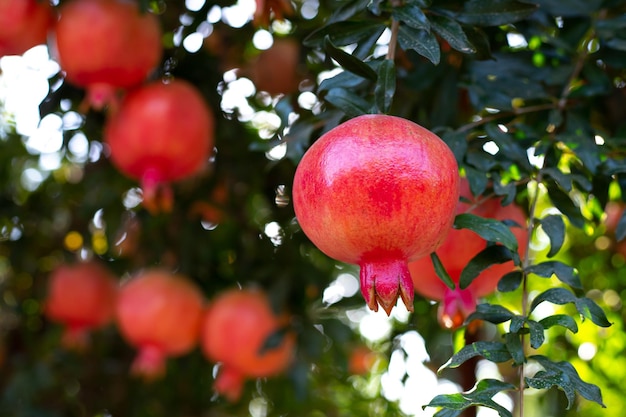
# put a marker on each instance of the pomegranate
(275, 70)
(105, 45)
(82, 297)
(268, 9)
(377, 191)
(159, 313)
(23, 24)
(460, 246)
(162, 132)
(236, 328)
(361, 360)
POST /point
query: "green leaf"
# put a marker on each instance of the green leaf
(441, 271)
(385, 86)
(494, 12)
(421, 41)
(565, 377)
(412, 15)
(457, 141)
(563, 272)
(481, 395)
(585, 306)
(513, 342)
(620, 230)
(564, 203)
(344, 79)
(343, 33)
(493, 313)
(351, 104)
(492, 351)
(347, 10)
(537, 333)
(452, 32)
(489, 229)
(510, 281)
(554, 226)
(491, 255)
(508, 146)
(348, 62)
(562, 320)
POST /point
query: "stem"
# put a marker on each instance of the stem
(515, 112)
(395, 26)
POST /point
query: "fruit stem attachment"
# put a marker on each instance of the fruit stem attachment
(149, 363)
(383, 281)
(229, 383)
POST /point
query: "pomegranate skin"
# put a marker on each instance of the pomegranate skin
(162, 132)
(159, 313)
(460, 246)
(23, 25)
(82, 297)
(106, 44)
(235, 329)
(377, 191)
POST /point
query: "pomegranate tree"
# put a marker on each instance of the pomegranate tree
(82, 297)
(162, 132)
(377, 191)
(457, 250)
(105, 45)
(236, 332)
(23, 24)
(160, 314)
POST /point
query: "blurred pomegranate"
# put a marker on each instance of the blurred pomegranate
(275, 70)
(105, 45)
(23, 24)
(163, 132)
(237, 332)
(160, 314)
(82, 297)
(377, 191)
(460, 246)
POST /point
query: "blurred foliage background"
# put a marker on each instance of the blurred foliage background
(530, 95)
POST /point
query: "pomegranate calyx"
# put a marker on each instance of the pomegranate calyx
(149, 363)
(157, 195)
(455, 307)
(382, 282)
(229, 383)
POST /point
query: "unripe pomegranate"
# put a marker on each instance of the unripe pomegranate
(23, 24)
(160, 314)
(82, 297)
(162, 132)
(105, 45)
(235, 332)
(459, 248)
(377, 191)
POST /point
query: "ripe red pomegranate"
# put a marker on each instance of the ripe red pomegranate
(23, 24)
(82, 297)
(377, 191)
(162, 132)
(460, 246)
(236, 327)
(105, 45)
(160, 314)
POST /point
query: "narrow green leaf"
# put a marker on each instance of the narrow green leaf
(351, 104)
(347, 10)
(562, 320)
(489, 229)
(492, 351)
(385, 86)
(564, 203)
(563, 272)
(554, 226)
(491, 255)
(421, 41)
(585, 306)
(565, 377)
(510, 281)
(344, 79)
(493, 313)
(412, 15)
(509, 146)
(348, 62)
(592, 311)
(441, 271)
(513, 342)
(517, 324)
(457, 141)
(537, 333)
(452, 32)
(558, 296)
(343, 33)
(494, 13)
